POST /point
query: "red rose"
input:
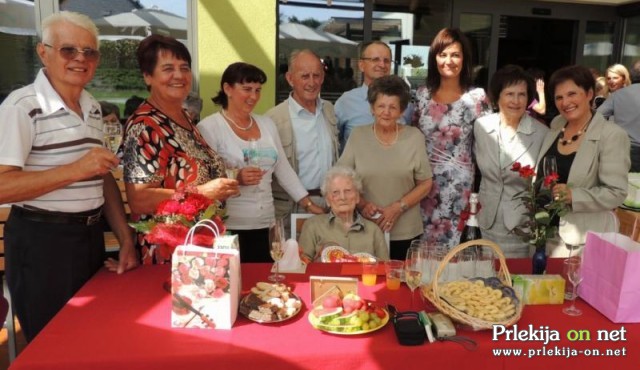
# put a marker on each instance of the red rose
(218, 293)
(515, 167)
(551, 179)
(167, 207)
(526, 172)
(188, 210)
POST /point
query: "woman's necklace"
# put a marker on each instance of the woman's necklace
(384, 142)
(574, 137)
(238, 126)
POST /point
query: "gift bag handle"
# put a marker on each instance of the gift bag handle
(209, 224)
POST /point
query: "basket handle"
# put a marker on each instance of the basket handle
(503, 272)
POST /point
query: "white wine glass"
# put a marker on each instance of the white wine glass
(549, 165)
(413, 268)
(573, 269)
(232, 168)
(112, 135)
(276, 248)
(252, 155)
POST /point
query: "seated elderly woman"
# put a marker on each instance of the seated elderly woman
(343, 225)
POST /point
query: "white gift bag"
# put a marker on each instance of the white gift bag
(205, 284)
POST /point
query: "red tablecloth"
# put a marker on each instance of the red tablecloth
(122, 322)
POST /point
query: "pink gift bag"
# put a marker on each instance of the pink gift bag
(611, 276)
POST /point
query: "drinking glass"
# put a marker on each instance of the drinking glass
(467, 260)
(232, 169)
(112, 135)
(369, 272)
(549, 165)
(393, 270)
(436, 255)
(573, 268)
(485, 262)
(413, 267)
(276, 248)
(252, 156)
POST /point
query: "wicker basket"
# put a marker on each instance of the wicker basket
(431, 291)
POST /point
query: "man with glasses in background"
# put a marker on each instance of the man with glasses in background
(56, 174)
(352, 108)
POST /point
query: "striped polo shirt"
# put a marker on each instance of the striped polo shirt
(38, 132)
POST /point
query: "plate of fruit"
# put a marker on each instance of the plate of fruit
(270, 303)
(350, 315)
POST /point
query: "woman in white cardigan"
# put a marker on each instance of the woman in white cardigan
(238, 135)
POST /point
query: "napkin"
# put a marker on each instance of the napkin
(291, 262)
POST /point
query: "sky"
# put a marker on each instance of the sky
(178, 7)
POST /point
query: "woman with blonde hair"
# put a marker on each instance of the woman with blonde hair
(617, 77)
(602, 92)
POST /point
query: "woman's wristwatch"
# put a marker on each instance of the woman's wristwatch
(403, 205)
(307, 205)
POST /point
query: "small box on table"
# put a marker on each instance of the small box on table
(539, 289)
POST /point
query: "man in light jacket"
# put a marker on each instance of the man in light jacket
(307, 128)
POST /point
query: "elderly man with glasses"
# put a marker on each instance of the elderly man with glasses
(352, 108)
(56, 174)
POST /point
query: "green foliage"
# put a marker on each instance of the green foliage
(309, 22)
(111, 79)
(414, 60)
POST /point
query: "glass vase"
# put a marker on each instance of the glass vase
(539, 261)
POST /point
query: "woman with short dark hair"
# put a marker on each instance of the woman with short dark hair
(243, 137)
(391, 159)
(592, 156)
(501, 139)
(163, 149)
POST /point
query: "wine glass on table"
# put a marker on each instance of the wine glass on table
(573, 269)
(413, 268)
(276, 248)
(112, 135)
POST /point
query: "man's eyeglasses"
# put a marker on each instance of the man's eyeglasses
(377, 60)
(70, 52)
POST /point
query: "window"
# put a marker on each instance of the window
(17, 42)
(598, 45)
(408, 28)
(631, 46)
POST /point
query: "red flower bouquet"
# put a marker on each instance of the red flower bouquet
(174, 217)
(540, 206)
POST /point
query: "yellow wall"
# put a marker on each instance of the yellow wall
(236, 30)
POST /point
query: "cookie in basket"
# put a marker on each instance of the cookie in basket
(477, 299)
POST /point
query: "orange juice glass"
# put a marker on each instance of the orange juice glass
(369, 273)
(393, 271)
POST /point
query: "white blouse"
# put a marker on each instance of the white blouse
(254, 208)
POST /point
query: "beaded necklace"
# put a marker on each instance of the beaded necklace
(575, 137)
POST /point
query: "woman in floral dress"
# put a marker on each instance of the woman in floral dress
(446, 111)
